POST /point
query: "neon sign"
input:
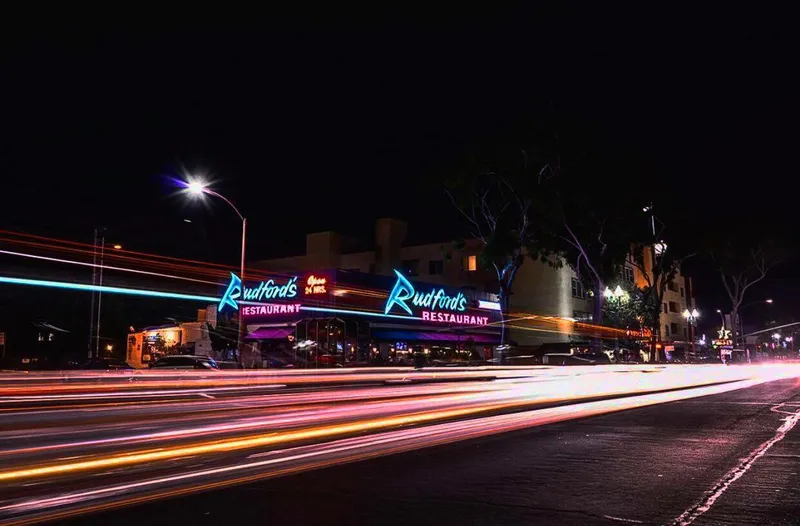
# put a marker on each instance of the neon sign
(435, 299)
(461, 319)
(271, 308)
(315, 285)
(265, 290)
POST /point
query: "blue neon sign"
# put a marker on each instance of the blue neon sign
(265, 290)
(403, 290)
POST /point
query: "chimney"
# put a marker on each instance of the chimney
(389, 237)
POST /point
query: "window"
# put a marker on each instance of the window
(627, 274)
(673, 328)
(665, 308)
(435, 267)
(410, 267)
(41, 337)
(673, 307)
(672, 286)
(50, 337)
(577, 289)
(469, 263)
(666, 330)
(681, 292)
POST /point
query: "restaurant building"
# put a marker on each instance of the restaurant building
(339, 316)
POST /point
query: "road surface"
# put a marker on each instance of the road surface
(650, 445)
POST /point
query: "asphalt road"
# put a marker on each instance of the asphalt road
(730, 458)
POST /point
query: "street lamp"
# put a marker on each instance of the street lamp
(691, 318)
(198, 188)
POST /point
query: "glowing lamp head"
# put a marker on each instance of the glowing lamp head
(195, 188)
(769, 301)
(695, 314)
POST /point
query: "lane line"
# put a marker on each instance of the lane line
(691, 514)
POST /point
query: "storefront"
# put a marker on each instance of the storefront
(346, 318)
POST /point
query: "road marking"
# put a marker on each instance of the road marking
(620, 519)
(691, 514)
(207, 396)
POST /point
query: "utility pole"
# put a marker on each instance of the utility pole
(94, 282)
(99, 296)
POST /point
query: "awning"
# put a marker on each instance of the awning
(270, 333)
(435, 336)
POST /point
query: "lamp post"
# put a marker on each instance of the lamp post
(691, 319)
(197, 188)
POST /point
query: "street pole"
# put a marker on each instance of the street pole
(99, 297)
(94, 282)
(241, 275)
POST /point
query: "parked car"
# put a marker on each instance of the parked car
(185, 362)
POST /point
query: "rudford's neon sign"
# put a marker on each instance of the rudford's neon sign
(435, 299)
(265, 290)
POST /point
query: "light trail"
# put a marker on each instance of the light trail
(106, 267)
(104, 288)
(66, 458)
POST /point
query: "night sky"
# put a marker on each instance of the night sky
(329, 122)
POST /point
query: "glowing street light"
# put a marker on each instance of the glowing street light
(196, 187)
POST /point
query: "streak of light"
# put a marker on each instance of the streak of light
(515, 397)
(67, 503)
(104, 288)
(106, 267)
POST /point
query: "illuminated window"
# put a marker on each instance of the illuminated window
(41, 337)
(50, 337)
(470, 263)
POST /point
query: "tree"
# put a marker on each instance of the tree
(658, 263)
(494, 196)
(224, 335)
(740, 269)
(628, 310)
(587, 221)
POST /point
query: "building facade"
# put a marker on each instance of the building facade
(548, 305)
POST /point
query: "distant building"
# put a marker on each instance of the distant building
(151, 343)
